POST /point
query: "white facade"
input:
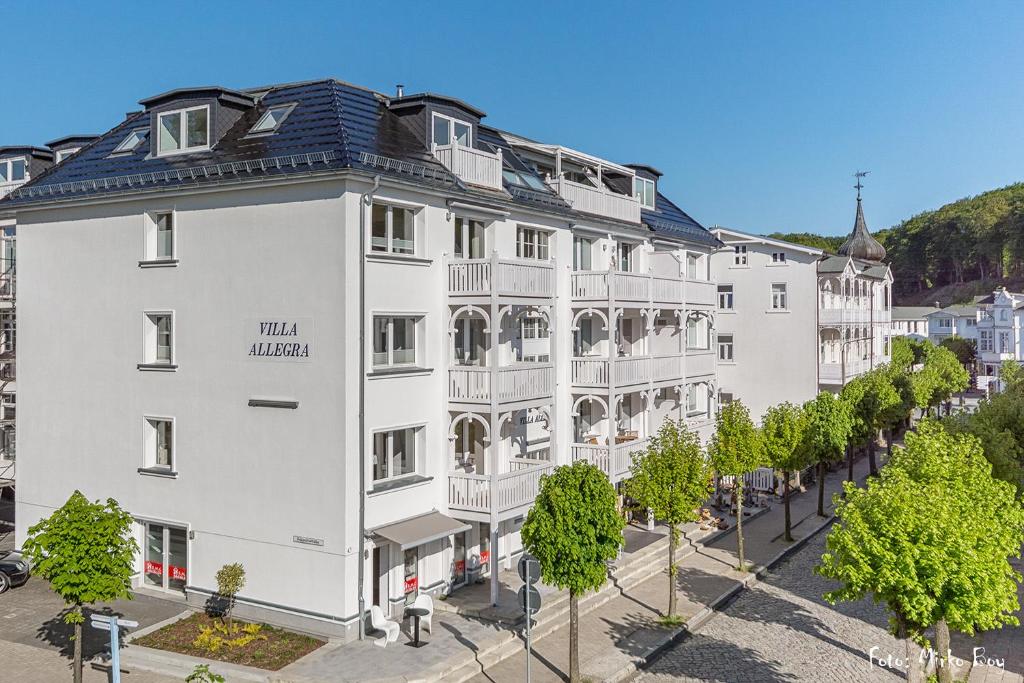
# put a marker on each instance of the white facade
(957, 320)
(1000, 320)
(911, 321)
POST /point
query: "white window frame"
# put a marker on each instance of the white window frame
(538, 241)
(253, 132)
(727, 342)
(739, 256)
(150, 337)
(183, 131)
(451, 130)
(694, 260)
(779, 299)
(582, 244)
(533, 327)
(779, 258)
(150, 441)
(630, 260)
(464, 236)
(985, 340)
(417, 340)
(418, 441)
(389, 237)
(124, 148)
(730, 295)
(151, 238)
(641, 194)
(63, 154)
(9, 173)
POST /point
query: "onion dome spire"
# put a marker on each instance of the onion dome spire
(860, 244)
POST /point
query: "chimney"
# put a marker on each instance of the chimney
(399, 90)
(938, 304)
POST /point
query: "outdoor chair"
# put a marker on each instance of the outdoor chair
(426, 603)
(382, 623)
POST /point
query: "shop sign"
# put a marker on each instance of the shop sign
(279, 338)
(411, 584)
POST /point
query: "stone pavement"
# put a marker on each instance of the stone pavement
(1006, 644)
(28, 664)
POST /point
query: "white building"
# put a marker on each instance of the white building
(959, 320)
(1000, 318)
(911, 321)
(338, 337)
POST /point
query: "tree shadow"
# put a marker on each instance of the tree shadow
(61, 636)
(712, 659)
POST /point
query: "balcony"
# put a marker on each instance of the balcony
(510, 492)
(472, 166)
(700, 362)
(837, 373)
(597, 201)
(628, 371)
(516, 383)
(626, 287)
(509, 277)
(701, 293)
(614, 461)
(839, 316)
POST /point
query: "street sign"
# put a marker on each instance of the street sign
(111, 623)
(529, 569)
(529, 593)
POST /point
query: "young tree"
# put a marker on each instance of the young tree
(782, 432)
(735, 450)
(230, 580)
(902, 354)
(1010, 374)
(895, 414)
(931, 538)
(856, 395)
(672, 478)
(950, 375)
(828, 429)
(87, 554)
(965, 350)
(574, 529)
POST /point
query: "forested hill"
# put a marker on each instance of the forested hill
(967, 247)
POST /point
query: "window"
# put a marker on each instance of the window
(946, 322)
(394, 341)
(725, 348)
(582, 253)
(583, 337)
(536, 358)
(778, 257)
(971, 322)
(739, 255)
(522, 179)
(643, 189)
(185, 130)
(164, 235)
(272, 119)
(469, 238)
(625, 253)
(451, 131)
(696, 400)
(1004, 343)
(985, 340)
(12, 170)
(63, 154)
(159, 337)
(132, 141)
(779, 302)
(394, 453)
(392, 230)
(692, 262)
(534, 328)
(159, 443)
(696, 333)
(531, 243)
(725, 300)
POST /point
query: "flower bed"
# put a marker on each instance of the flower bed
(248, 644)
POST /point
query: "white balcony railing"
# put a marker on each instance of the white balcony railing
(511, 277)
(515, 489)
(701, 293)
(614, 461)
(593, 284)
(473, 166)
(835, 316)
(700, 362)
(629, 370)
(598, 201)
(519, 382)
(838, 373)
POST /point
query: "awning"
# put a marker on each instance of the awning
(416, 531)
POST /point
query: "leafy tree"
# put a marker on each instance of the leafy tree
(672, 478)
(894, 414)
(949, 375)
(828, 429)
(87, 554)
(1010, 374)
(230, 580)
(965, 350)
(735, 450)
(931, 539)
(857, 395)
(782, 431)
(574, 530)
(999, 425)
(902, 353)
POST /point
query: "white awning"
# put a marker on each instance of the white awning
(416, 531)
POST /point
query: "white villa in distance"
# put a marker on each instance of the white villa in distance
(338, 336)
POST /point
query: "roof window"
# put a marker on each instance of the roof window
(272, 119)
(184, 130)
(132, 141)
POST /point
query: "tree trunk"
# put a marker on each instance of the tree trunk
(849, 461)
(942, 644)
(909, 653)
(889, 435)
(785, 502)
(672, 533)
(574, 638)
(872, 466)
(821, 488)
(78, 648)
(739, 521)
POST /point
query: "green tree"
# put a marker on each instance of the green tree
(894, 414)
(999, 425)
(202, 674)
(949, 375)
(902, 353)
(230, 580)
(965, 350)
(574, 530)
(827, 433)
(672, 478)
(735, 450)
(782, 432)
(87, 554)
(857, 395)
(1010, 374)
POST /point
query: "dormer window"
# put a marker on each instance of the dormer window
(643, 190)
(272, 119)
(132, 141)
(12, 170)
(449, 131)
(185, 130)
(63, 154)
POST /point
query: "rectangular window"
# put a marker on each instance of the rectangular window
(971, 322)
(12, 170)
(778, 257)
(725, 348)
(1004, 343)
(985, 340)
(643, 190)
(692, 263)
(946, 322)
(534, 328)
(394, 453)
(739, 255)
(159, 443)
(725, 300)
(185, 130)
(159, 339)
(469, 238)
(696, 333)
(165, 235)
(582, 253)
(392, 230)
(166, 557)
(625, 252)
(448, 131)
(584, 337)
(394, 341)
(779, 302)
(692, 401)
(531, 243)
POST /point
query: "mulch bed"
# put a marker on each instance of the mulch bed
(278, 650)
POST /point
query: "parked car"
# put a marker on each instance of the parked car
(14, 570)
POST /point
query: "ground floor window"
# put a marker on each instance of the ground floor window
(459, 559)
(485, 547)
(412, 574)
(166, 557)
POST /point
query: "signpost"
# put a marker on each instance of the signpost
(529, 598)
(114, 625)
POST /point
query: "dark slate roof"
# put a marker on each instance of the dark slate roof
(71, 141)
(957, 310)
(668, 219)
(40, 152)
(833, 264)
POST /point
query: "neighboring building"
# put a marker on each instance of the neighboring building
(767, 320)
(1000, 318)
(911, 321)
(959, 320)
(523, 305)
(19, 164)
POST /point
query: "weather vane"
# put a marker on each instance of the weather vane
(858, 175)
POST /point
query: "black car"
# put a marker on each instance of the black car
(13, 570)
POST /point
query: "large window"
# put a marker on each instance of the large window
(166, 559)
(185, 130)
(448, 130)
(725, 348)
(392, 230)
(394, 453)
(1005, 346)
(394, 341)
(469, 238)
(697, 333)
(779, 301)
(532, 243)
(643, 189)
(725, 297)
(12, 170)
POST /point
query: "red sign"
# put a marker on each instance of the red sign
(154, 568)
(460, 566)
(177, 573)
(411, 584)
(485, 556)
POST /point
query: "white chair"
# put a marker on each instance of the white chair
(382, 623)
(426, 603)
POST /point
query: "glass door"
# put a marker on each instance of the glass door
(469, 238)
(166, 557)
(459, 564)
(412, 574)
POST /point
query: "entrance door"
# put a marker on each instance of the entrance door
(376, 576)
(166, 557)
(459, 552)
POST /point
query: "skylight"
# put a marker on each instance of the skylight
(134, 139)
(522, 179)
(273, 118)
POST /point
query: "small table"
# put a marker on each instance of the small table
(416, 613)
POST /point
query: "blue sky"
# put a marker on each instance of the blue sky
(757, 113)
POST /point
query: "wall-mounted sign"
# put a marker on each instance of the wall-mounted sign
(279, 338)
(306, 540)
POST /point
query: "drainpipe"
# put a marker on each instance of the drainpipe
(364, 201)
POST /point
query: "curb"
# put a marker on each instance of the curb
(629, 670)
